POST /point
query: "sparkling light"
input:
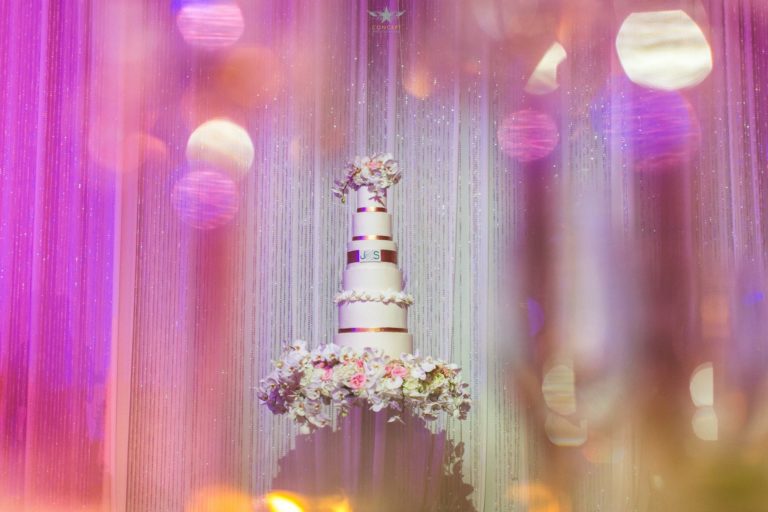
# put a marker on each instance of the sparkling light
(664, 50)
(543, 80)
(527, 135)
(703, 385)
(222, 144)
(205, 199)
(282, 502)
(210, 25)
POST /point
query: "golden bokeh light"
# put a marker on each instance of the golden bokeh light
(333, 504)
(536, 497)
(220, 499)
(418, 82)
(282, 501)
(664, 50)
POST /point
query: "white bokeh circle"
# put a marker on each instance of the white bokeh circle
(222, 144)
(663, 50)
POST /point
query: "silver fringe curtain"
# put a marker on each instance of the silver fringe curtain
(580, 270)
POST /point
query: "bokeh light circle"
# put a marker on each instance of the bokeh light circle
(221, 144)
(200, 104)
(558, 389)
(281, 501)
(418, 82)
(126, 154)
(210, 25)
(249, 77)
(502, 20)
(543, 80)
(205, 199)
(657, 130)
(535, 315)
(705, 424)
(702, 385)
(562, 431)
(536, 497)
(527, 135)
(664, 50)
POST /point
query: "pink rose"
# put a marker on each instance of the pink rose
(359, 363)
(327, 374)
(357, 381)
(397, 371)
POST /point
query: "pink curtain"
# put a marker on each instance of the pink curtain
(581, 253)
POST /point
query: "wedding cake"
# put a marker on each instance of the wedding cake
(373, 308)
(371, 360)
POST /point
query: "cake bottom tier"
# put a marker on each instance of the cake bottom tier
(393, 344)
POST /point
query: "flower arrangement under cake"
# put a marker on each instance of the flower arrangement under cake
(370, 361)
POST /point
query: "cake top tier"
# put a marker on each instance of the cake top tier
(370, 202)
(374, 173)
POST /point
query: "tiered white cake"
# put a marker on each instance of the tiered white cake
(373, 309)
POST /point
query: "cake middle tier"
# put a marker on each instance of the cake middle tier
(369, 315)
(372, 276)
(371, 226)
(393, 344)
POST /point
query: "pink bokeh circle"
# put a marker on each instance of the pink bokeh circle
(205, 199)
(527, 135)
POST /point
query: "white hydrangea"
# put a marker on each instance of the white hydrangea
(306, 384)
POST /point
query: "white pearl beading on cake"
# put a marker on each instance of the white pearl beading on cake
(384, 296)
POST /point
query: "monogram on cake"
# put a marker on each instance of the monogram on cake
(373, 308)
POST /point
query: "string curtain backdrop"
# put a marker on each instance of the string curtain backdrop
(584, 236)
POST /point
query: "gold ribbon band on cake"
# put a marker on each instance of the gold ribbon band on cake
(371, 209)
(372, 256)
(371, 237)
(372, 329)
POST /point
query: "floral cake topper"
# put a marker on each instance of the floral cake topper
(377, 173)
(306, 384)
